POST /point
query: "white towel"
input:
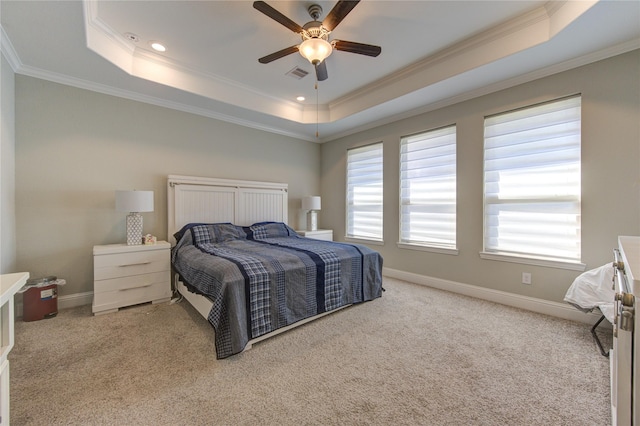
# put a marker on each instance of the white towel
(593, 289)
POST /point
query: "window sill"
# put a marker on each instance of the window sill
(364, 241)
(574, 266)
(419, 247)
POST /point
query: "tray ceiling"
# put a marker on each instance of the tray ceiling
(434, 53)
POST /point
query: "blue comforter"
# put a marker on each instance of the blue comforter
(264, 277)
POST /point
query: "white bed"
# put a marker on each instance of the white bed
(212, 200)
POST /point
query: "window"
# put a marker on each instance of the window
(364, 192)
(532, 182)
(428, 188)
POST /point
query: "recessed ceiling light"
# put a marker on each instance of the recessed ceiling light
(300, 98)
(158, 46)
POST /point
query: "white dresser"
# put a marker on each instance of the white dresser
(9, 285)
(320, 234)
(128, 275)
(626, 334)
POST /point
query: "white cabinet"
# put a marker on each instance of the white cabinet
(320, 234)
(625, 365)
(128, 275)
(4, 393)
(9, 285)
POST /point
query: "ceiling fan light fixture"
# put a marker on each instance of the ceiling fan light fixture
(315, 50)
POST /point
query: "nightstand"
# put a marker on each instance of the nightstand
(320, 234)
(128, 275)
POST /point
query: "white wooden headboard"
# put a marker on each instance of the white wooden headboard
(210, 200)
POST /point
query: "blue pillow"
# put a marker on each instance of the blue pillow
(178, 235)
(204, 233)
(222, 232)
(262, 230)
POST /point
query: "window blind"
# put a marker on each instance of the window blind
(428, 188)
(532, 181)
(364, 192)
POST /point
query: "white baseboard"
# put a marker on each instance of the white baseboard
(77, 299)
(547, 307)
(541, 306)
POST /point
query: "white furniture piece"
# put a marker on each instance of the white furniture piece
(126, 275)
(626, 334)
(9, 286)
(319, 234)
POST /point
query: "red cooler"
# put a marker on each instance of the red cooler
(41, 300)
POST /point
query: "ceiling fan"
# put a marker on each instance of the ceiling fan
(315, 45)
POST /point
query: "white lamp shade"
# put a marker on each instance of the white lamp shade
(311, 203)
(315, 50)
(134, 201)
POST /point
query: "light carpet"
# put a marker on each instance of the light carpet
(416, 356)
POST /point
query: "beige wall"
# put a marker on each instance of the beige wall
(610, 184)
(75, 147)
(7, 169)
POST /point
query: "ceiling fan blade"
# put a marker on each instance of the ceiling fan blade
(276, 16)
(277, 55)
(337, 14)
(359, 48)
(321, 71)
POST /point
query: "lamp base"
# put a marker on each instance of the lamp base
(134, 229)
(312, 220)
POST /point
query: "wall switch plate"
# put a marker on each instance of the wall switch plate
(526, 278)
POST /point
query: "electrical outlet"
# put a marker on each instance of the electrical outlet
(526, 278)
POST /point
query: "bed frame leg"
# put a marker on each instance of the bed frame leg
(595, 336)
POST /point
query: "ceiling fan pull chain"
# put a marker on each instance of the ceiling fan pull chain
(317, 108)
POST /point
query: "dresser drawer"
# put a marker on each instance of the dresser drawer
(115, 299)
(131, 282)
(123, 265)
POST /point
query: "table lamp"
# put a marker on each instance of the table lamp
(312, 204)
(134, 202)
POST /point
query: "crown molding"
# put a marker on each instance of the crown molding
(138, 62)
(609, 52)
(8, 51)
(152, 100)
(510, 37)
